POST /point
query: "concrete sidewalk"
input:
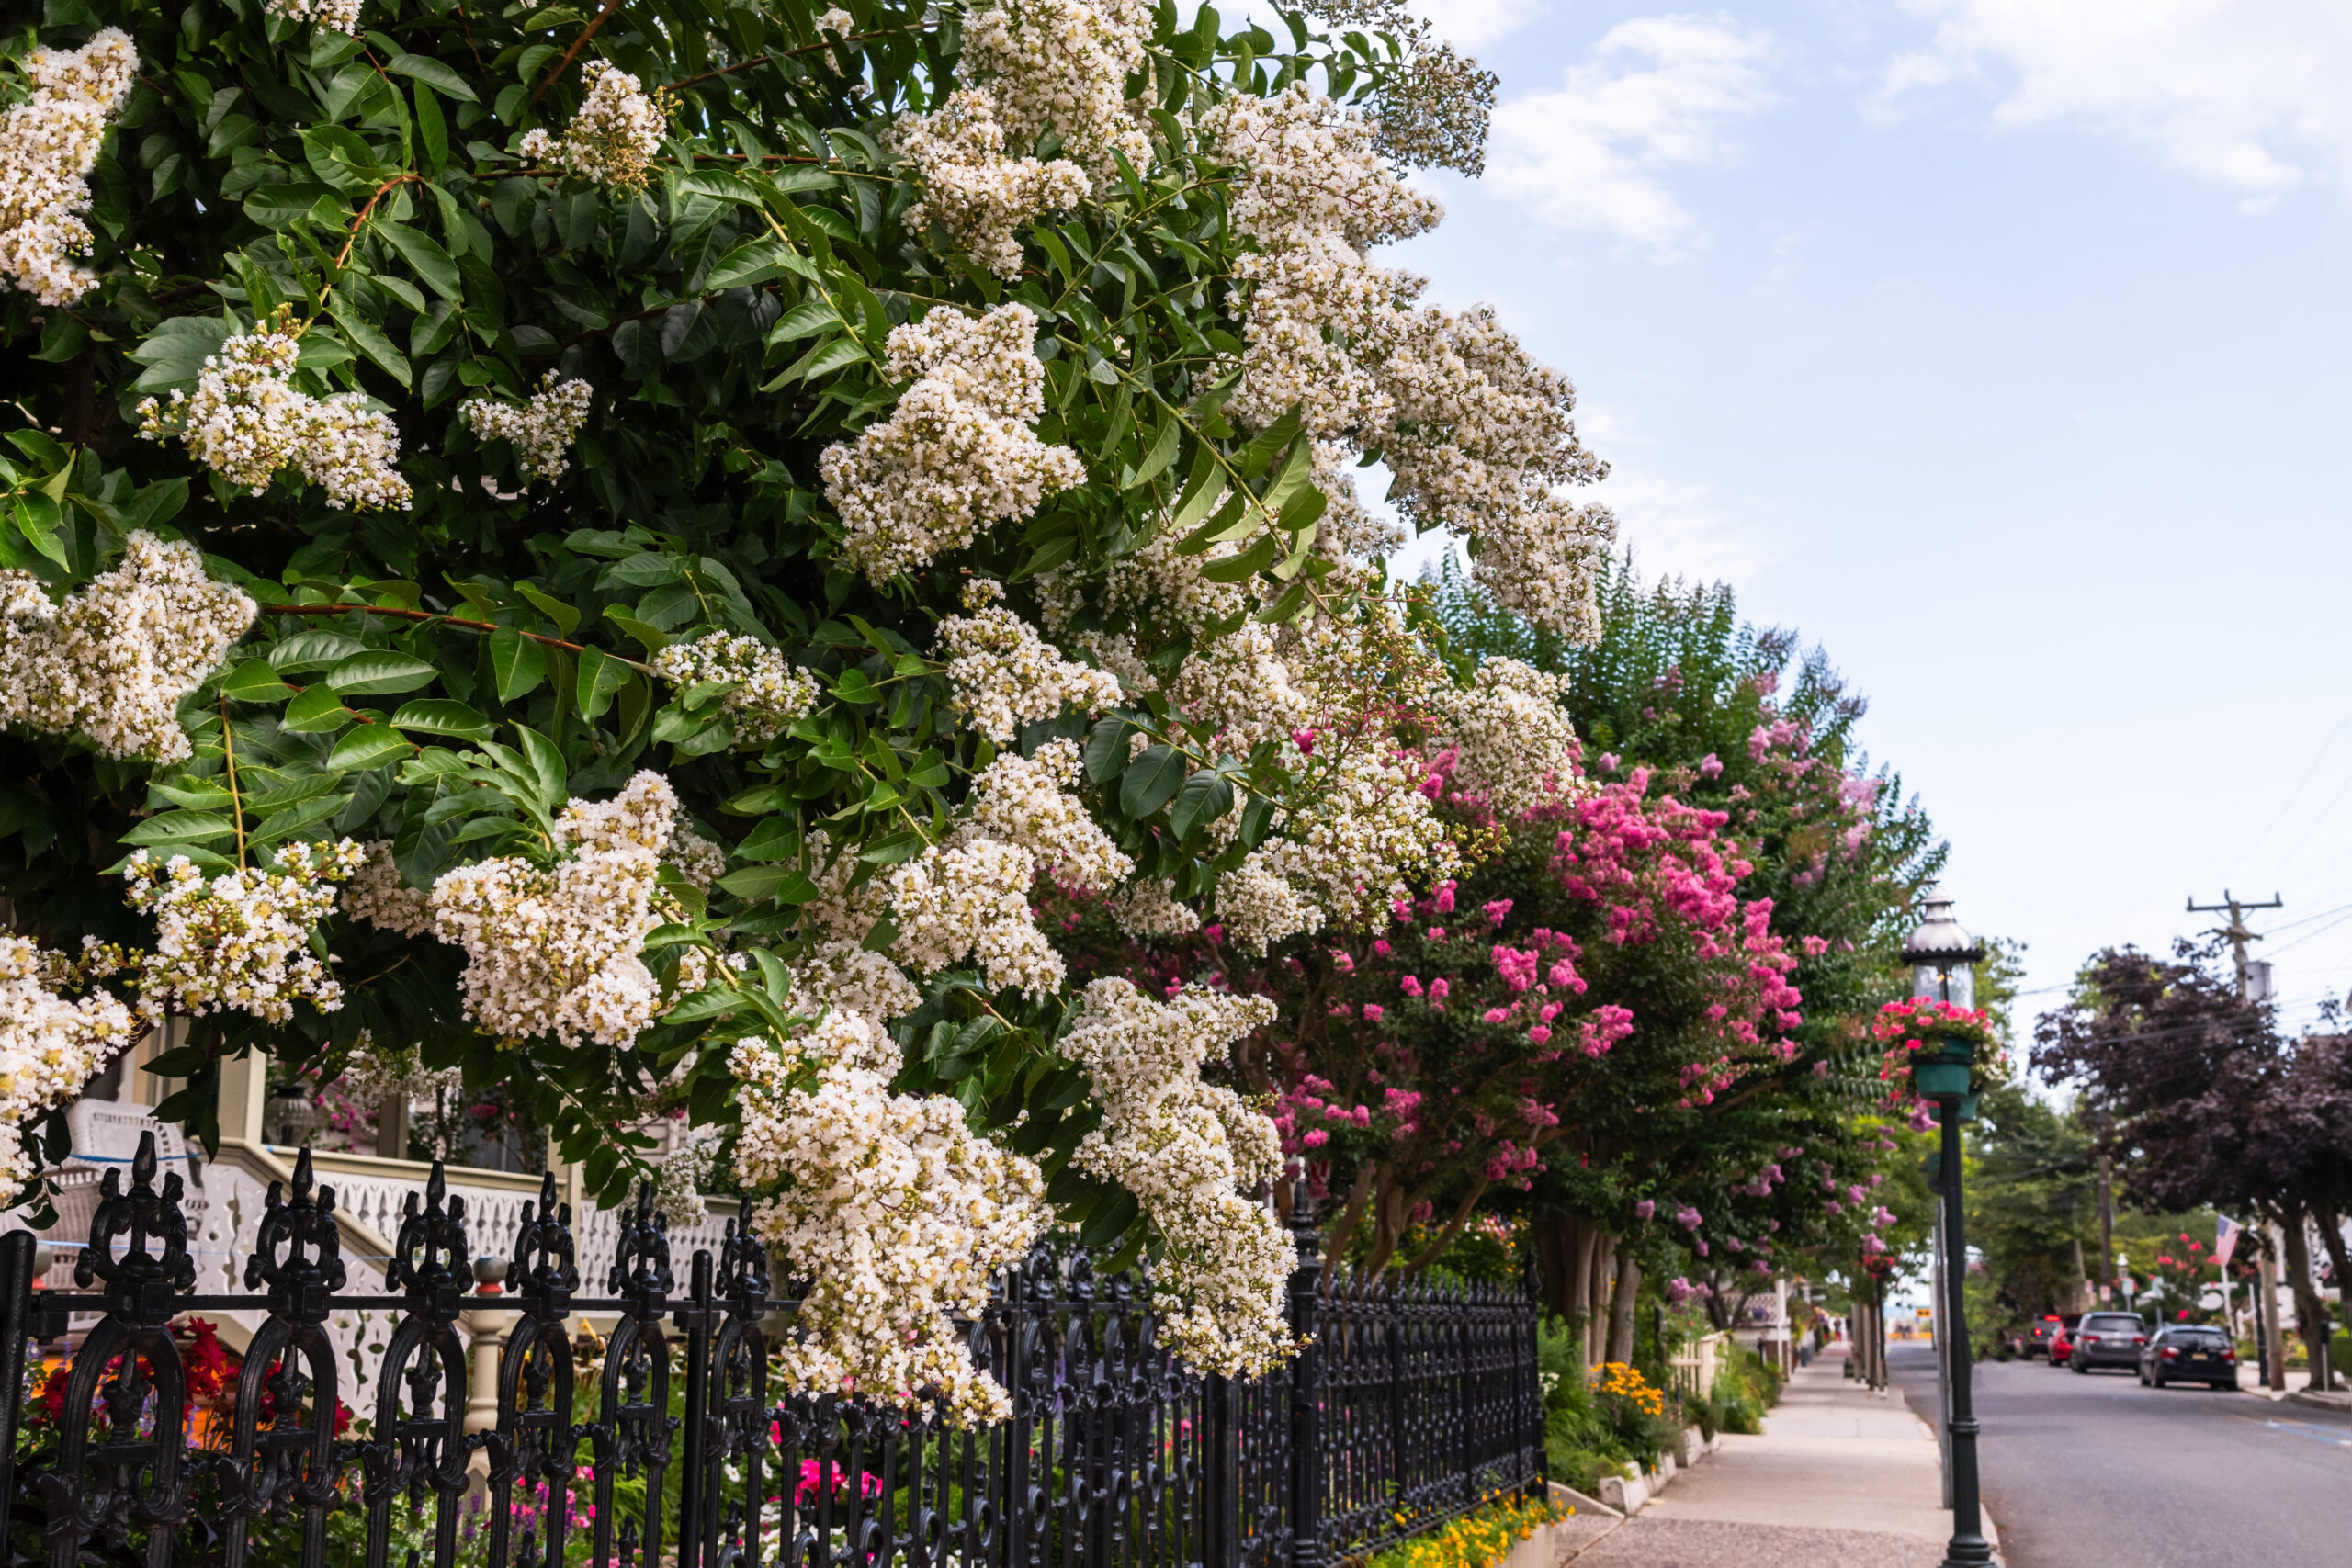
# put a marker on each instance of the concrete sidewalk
(1841, 1478)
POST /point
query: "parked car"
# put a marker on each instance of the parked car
(2049, 1327)
(2185, 1352)
(2062, 1345)
(2107, 1339)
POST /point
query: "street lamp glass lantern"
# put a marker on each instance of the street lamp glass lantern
(1944, 956)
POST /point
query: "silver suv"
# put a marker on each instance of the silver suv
(2109, 1339)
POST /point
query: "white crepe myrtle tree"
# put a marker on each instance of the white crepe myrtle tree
(648, 555)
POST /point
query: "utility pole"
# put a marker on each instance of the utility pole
(2235, 930)
(2106, 1224)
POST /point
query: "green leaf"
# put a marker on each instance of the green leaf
(516, 662)
(754, 261)
(433, 73)
(755, 884)
(367, 340)
(600, 676)
(426, 257)
(36, 518)
(173, 826)
(1249, 563)
(547, 766)
(371, 746)
(1162, 452)
(314, 650)
(175, 351)
(438, 715)
(1106, 750)
(1151, 780)
(565, 617)
(775, 838)
(254, 681)
(280, 826)
(315, 710)
(381, 669)
(1207, 797)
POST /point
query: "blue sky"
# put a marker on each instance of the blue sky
(2001, 347)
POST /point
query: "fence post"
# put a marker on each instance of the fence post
(695, 1315)
(16, 1306)
(1306, 1388)
(1530, 1370)
(1221, 1405)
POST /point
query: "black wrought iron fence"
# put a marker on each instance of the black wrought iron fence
(660, 1443)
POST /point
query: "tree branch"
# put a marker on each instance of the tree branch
(602, 11)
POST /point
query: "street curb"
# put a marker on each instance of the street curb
(1568, 1496)
(2339, 1402)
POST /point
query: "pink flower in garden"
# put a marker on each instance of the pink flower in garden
(1498, 1015)
(1304, 741)
(1496, 910)
(1688, 1218)
(1644, 1209)
(1538, 1034)
(1380, 946)
(1315, 1139)
(1711, 766)
(1410, 984)
(1373, 1012)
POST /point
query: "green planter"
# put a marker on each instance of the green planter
(1936, 1079)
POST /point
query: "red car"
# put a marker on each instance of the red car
(2062, 1345)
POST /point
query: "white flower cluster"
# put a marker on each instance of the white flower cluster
(975, 192)
(1035, 66)
(958, 453)
(1062, 65)
(558, 952)
(248, 420)
(1148, 908)
(540, 429)
(611, 141)
(1515, 742)
(115, 659)
(838, 22)
(890, 1210)
(49, 144)
(970, 900)
(840, 912)
(378, 895)
(1476, 433)
(1021, 801)
(239, 940)
(1188, 1151)
(1363, 837)
(48, 1049)
(1001, 675)
(377, 1075)
(693, 857)
(770, 694)
(343, 16)
(847, 977)
(679, 1175)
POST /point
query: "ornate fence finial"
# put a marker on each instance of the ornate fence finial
(140, 1284)
(641, 1260)
(429, 1257)
(544, 1257)
(743, 1266)
(298, 1251)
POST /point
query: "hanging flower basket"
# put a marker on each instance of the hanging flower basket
(1932, 1048)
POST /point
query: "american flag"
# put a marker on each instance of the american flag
(2225, 1239)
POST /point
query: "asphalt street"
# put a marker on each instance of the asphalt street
(2096, 1472)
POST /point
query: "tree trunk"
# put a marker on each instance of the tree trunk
(1620, 1310)
(1595, 1301)
(2311, 1313)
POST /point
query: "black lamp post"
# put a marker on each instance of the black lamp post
(1943, 956)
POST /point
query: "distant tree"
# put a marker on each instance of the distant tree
(2200, 1101)
(2030, 1202)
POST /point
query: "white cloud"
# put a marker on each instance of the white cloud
(1655, 93)
(2248, 93)
(1471, 24)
